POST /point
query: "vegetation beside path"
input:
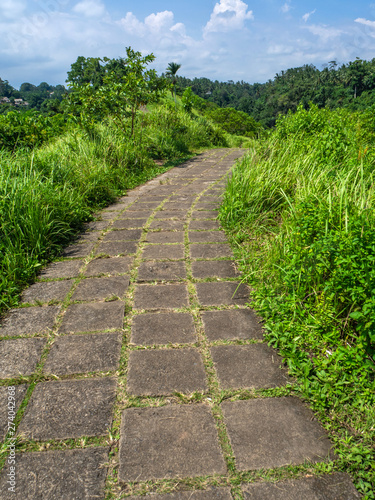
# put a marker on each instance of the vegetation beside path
(300, 210)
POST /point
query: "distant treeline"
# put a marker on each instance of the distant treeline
(350, 85)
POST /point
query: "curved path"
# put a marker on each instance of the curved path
(136, 366)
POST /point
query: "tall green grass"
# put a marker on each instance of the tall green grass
(301, 211)
(46, 194)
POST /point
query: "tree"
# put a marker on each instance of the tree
(125, 87)
(171, 73)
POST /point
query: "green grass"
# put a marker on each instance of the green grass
(300, 209)
(46, 194)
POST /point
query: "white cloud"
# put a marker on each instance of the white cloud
(324, 32)
(90, 8)
(228, 15)
(12, 9)
(307, 16)
(365, 22)
(286, 7)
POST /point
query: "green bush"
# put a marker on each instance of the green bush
(301, 211)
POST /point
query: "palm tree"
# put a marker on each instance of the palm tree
(171, 73)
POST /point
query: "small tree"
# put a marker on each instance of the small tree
(171, 73)
(122, 92)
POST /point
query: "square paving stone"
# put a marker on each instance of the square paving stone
(334, 487)
(165, 237)
(231, 325)
(207, 236)
(107, 215)
(29, 320)
(214, 269)
(224, 293)
(147, 199)
(204, 225)
(129, 223)
(123, 235)
(63, 475)
(91, 317)
(20, 357)
(207, 205)
(160, 296)
(96, 225)
(136, 214)
(163, 328)
(167, 225)
(274, 432)
(171, 214)
(162, 271)
(205, 214)
(69, 409)
(84, 353)
(144, 205)
(116, 207)
(47, 291)
(178, 205)
(101, 288)
(171, 252)
(163, 372)
(170, 442)
(209, 494)
(254, 366)
(210, 251)
(111, 266)
(64, 269)
(12, 396)
(78, 250)
(114, 248)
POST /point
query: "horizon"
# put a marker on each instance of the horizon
(220, 40)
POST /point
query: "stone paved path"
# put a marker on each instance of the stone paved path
(136, 358)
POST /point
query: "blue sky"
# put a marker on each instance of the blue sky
(248, 40)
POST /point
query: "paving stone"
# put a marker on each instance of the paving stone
(207, 236)
(210, 251)
(144, 205)
(169, 442)
(168, 225)
(165, 237)
(182, 198)
(88, 237)
(78, 250)
(256, 366)
(123, 235)
(47, 291)
(162, 271)
(29, 320)
(107, 215)
(69, 409)
(223, 293)
(146, 199)
(207, 205)
(6, 397)
(64, 269)
(136, 214)
(172, 252)
(274, 432)
(101, 288)
(84, 353)
(116, 207)
(91, 317)
(334, 487)
(160, 296)
(20, 357)
(114, 248)
(66, 475)
(231, 325)
(204, 225)
(97, 225)
(178, 205)
(129, 223)
(209, 494)
(171, 214)
(163, 328)
(205, 214)
(111, 266)
(163, 372)
(214, 269)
